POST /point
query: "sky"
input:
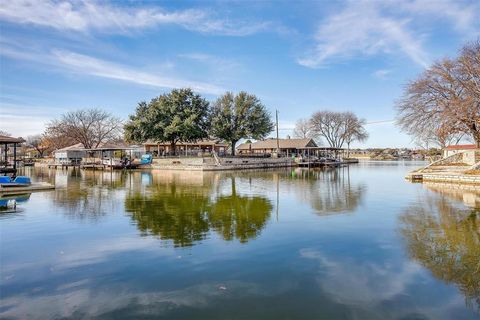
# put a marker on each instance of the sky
(297, 57)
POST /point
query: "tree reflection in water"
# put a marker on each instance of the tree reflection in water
(87, 194)
(184, 213)
(330, 190)
(240, 217)
(446, 240)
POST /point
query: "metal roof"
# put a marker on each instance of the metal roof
(461, 147)
(271, 143)
(7, 139)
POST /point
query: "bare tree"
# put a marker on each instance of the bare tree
(329, 125)
(303, 129)
(54, 140)
(91, 127)
(444, 99)
(354, 130)
(5, 133)
(37, 142)
(338, 128)
(437, 138)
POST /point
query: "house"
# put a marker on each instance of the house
(269, 146)
(459, 148)
(186, 148)
(70, 155)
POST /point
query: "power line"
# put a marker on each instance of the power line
(380, 121)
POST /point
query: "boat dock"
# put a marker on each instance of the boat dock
(21, 188)
(328, 163)
(93, 166)
(62, 165)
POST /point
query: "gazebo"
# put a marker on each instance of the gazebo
(6, 143)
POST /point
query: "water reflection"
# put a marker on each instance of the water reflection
(468, 194)
(8, 203)
(85, 194)
(329, 191)
(301, 266)
(185, 212)
(446, 239)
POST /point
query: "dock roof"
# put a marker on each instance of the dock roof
(75, 147)
(271, 143)
(8, 139)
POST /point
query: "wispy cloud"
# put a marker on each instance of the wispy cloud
(87, 65)
(218, 63)
(465, 16)
(88, 15)
(22, 119)
(365, 28)
(359, 30)
(381, 74)
(84, 64)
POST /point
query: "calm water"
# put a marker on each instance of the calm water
(348, 243)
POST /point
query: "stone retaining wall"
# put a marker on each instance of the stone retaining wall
(208, 164)
(254, 164)
(177, 161)
(452, 178)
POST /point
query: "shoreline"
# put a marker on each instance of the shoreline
(210, 164)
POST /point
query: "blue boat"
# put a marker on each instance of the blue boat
(146, 159)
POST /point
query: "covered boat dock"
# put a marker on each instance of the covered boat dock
(8, 160)
(112, 156)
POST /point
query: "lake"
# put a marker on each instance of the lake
(355, 242)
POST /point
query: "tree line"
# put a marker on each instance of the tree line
(182, 115)
(177, 116)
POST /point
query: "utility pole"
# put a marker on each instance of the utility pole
(278, 142)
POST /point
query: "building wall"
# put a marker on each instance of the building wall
(469, 156)
(447, 152)
(69, 156)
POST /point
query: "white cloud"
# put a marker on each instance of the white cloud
(464, 16)
(22, 125)
(359, 30)
(87, 65)
(90, 15)
(365, 28)
(84, 64)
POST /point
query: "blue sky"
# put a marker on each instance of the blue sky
(298, 57)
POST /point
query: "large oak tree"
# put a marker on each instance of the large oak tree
(178, 116)
(240, 116)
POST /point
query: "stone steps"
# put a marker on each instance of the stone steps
(453, 169)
